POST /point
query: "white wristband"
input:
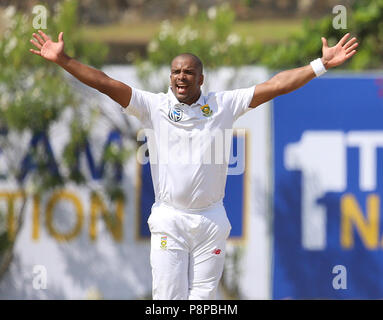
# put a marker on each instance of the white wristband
(318, 67)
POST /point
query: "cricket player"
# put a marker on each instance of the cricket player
(188, 222)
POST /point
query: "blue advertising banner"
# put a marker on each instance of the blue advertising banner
(235, 192)
(328, 185)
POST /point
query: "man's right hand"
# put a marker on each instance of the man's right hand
(48, 49)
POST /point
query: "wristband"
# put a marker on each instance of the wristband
(318, 67)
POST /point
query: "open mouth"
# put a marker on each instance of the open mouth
(181, 88)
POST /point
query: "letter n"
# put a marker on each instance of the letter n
(352, 215)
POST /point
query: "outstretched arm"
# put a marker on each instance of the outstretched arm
(54, 51)
(290, 80)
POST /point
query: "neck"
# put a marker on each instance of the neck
(190, 101)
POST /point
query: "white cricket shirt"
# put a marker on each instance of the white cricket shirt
(189, 146)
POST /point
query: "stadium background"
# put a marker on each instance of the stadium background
(303, 194)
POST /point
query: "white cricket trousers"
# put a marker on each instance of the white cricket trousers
(187, 252)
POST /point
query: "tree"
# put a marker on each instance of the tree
(35, 96)
(364, 21)
(208, 35)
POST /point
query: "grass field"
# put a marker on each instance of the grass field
(123, 37)
(270, 30)
(142, 32)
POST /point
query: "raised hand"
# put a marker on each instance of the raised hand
(338, 54)
(48, 49)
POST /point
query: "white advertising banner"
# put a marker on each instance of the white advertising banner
(70, 247)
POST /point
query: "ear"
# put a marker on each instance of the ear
(201, 78)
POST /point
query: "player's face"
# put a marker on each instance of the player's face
(186, 80)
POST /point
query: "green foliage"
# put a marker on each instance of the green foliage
(79, 135)
(66, 20)
(35, 94)
(364, 21)
(5, 242)
(208, 35)
(367, 23)
(303, 47)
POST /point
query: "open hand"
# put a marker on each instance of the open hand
(338, 54)
(48, 49)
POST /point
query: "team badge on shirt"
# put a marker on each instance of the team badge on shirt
(206, 111)
(175, 114)
(164, 242)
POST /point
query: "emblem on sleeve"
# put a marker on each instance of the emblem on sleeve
(175, 114)
(206, 111)
(164, 242)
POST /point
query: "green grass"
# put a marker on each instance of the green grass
(271, 30)
(268, 30)
(139, 32)
(143, 32)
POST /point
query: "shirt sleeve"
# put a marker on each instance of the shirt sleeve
(238, 101)
(141, 105)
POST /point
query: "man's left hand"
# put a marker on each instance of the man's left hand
(338, 54)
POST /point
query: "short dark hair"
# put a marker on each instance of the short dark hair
(196, 60)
